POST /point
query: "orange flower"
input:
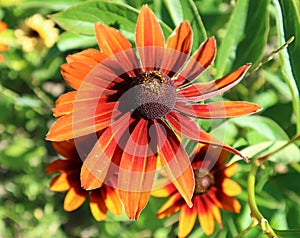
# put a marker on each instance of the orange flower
(101, 199)
(139, 101)
(3, 47)
(213, 190)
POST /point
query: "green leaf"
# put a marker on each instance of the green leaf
(180, 10)
(175, 9)
(69, 41)
(288, 233)
(256, 34)
(278, 84)
(80, 19)
(291, 20)
(263, 125)
(191, 13)
(285, 64)
(233, 36)
(289, 154)
(51, 4)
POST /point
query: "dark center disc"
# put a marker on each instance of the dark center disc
(153, 95)
(203, 181)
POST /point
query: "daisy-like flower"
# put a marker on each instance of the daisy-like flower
(36, 33)
(3, 47)
(101, 199)
(139, 100)
(213, 191)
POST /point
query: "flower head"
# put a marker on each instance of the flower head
(3, 47)
(101, 199)
(36, 33)
(142, 103)
(213, 191)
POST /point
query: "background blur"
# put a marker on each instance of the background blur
(30, 82)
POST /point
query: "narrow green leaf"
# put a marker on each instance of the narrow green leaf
(288, 233)
(233, 36)
(175, 9)
(286, 66)
(291, 20)
(256, 34)
(191, 13)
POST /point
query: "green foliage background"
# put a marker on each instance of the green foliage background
(246, 31)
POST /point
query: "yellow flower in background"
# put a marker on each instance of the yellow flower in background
(36, 33)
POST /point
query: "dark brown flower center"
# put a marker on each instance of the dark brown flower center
(154, 94)
(34, 34)
(204, 180)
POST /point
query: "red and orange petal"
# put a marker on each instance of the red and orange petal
(187, 220)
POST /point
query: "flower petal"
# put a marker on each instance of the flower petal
(97, 205)
(74, 198)
(172, 205)
(113, 42)
(64, 104)
(60, 183)
(178, 48)
(230, 187)
(97, 163)
(190, 129)
(175, 161)
(74, 73)
(214, 110)
(230, 170)
(137, 170)
(215, 211)
(199, 61)
(187, 220)
(90, 57)
(149, 39)
(205, 216)
(112, 200)
(202, 91)
(228, 203)
(63, 166)
(71, 126)
(164, 191)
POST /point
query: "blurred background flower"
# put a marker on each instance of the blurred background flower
(36, 33)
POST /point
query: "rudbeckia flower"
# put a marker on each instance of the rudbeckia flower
(36, 33)
(3, 47)
(213, 191)
(101, 199)
(142, 101)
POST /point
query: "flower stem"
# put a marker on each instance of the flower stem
(243, 232)
(257, 217)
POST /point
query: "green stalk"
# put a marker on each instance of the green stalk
(257, 217)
